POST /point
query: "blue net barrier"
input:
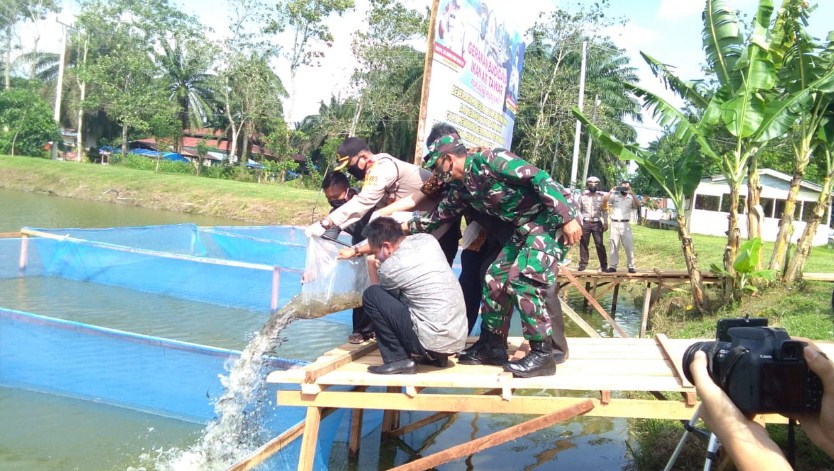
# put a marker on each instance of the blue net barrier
(175, 238)
(149, 374)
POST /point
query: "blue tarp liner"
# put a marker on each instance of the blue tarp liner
(149, 374)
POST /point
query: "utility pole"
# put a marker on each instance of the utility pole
(60, 87)
(590, 143)
(574, 168)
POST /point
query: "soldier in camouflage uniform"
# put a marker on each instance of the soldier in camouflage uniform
(500, 184)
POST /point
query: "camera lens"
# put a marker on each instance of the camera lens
(689, 355)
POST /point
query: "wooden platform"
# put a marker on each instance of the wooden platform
(595, 381)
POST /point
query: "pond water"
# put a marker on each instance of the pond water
(55, 433)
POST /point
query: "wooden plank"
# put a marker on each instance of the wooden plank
(497, 438)
(420, 423)
(595, 304)
(818, 276)
(313, 372)
(578, 320)
(10, 235)
(311, 435)
(675, 356)
(537, 405)
(647, 299)
(273, 446)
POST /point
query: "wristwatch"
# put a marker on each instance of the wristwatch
(326, 223)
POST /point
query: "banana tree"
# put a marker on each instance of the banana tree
(744, 104)
(677, 175)
(808, 80)
(825, 149)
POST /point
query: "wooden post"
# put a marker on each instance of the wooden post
(424, 96)
(497, 438)
(391, 418)
(614, 299)
(355, 437)
(355, 432)
(647, 301)
(308, 442)
(584, 299)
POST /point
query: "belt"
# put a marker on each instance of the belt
(621, 220)
(592, 219)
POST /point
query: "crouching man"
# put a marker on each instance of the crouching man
(415, 302)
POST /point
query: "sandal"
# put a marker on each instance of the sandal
(357, 337)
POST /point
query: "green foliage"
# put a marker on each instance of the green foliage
(141, 162)
(744, 268)
(26, 123)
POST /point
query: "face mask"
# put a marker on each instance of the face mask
(444, 176)
(592, 188)
(357, 172)
(336, 203)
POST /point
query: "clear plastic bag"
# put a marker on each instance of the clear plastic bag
(331, 285)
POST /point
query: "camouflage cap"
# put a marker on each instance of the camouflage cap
(440, 147)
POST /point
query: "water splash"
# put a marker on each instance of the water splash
(236, 432)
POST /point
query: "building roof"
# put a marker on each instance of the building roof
(766, 172)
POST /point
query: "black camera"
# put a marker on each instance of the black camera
(760, 368)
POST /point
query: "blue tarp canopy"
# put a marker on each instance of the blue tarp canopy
(172, 156)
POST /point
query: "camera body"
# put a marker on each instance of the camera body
(760, 368)
(622, 189)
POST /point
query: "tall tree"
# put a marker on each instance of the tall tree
(388, 77)
(184, 62)
(305, 22)
(14, 12)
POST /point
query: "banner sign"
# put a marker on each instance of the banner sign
(475, 71)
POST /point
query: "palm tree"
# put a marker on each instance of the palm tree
(184, 66)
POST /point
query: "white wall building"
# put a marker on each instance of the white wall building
(709, 210)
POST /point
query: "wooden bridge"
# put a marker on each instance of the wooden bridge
(605, 371)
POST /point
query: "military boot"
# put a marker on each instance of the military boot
(488, 350)
(538, 362)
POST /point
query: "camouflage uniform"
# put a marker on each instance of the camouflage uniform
(500, 184)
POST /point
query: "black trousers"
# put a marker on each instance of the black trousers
(595, 229)
(391, 321)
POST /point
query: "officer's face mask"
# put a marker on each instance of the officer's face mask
(443, 173)
(355, 170)
(592, 187)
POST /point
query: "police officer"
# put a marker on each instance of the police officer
(385, 179)
(593, 223)
(500, 184)
(621, 204)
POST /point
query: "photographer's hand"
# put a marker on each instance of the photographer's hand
(820, 428)
(745, 441)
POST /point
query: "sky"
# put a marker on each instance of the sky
(668, 30)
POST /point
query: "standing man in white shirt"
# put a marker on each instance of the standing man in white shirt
(621, 203)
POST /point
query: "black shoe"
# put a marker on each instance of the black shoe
(632, 270)
(610, 270)
(538, 362)
(438, 360)
(488, 350)
(559, 357)
(406, 366)
(581, 268)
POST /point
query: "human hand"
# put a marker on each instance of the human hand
(572, 232)
(347, 252)
(314, 230)
(747, 442)
(820, 427)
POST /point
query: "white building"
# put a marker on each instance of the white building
(709, 211)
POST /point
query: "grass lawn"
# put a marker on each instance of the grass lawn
(256, 203)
